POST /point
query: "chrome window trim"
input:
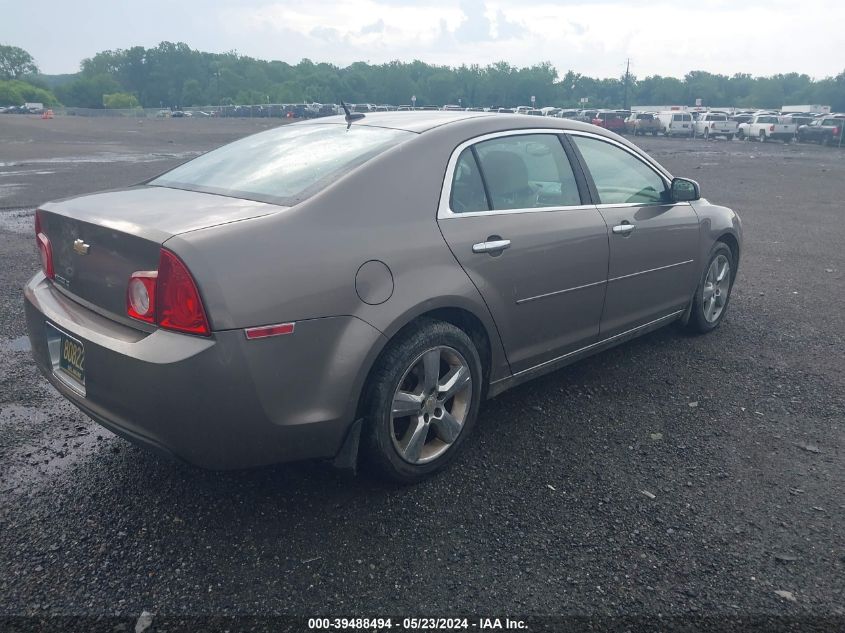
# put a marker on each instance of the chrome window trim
(444, 211)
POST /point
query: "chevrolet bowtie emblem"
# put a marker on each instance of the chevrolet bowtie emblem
(81, 247)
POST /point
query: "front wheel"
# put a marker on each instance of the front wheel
(421, 402)
(706, 133)
(714, 291)
(740, 135)
(729, 137)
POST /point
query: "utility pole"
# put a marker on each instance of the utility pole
(627, 76)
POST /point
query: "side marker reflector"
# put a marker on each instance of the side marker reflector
(269, 330)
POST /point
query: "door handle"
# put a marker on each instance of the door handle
(624, 229)
(494, 246)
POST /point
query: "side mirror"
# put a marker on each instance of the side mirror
(685, 190)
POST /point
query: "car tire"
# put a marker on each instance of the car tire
(729, 137)
(706, 134)
(740, 135)
(409, 448)
(654, 132)
(713, 292)
(763, 137)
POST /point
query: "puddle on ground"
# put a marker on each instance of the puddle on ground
(106, 157)
(26, 172)
(57, 450)
(8, 190)
(16, 220)
(19, 344)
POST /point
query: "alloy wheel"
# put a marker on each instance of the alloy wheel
(431, 404)
(717, 287)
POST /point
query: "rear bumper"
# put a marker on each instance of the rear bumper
(218, 402)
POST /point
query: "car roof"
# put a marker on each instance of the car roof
(469, 122)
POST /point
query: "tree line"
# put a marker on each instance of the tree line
(174, 75)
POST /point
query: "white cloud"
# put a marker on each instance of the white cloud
(594, 38)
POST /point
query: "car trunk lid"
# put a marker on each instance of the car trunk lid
(99, 240)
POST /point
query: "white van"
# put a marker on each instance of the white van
(674, 123)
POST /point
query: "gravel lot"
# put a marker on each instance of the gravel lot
(672, 475)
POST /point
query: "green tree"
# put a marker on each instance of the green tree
(15, 63)
(120, 100)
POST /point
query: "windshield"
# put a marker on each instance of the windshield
(285, 165)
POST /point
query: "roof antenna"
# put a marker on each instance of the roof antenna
(350, 116)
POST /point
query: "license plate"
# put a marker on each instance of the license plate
(68, 358)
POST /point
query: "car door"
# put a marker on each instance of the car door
(512, 213)
(653, 242)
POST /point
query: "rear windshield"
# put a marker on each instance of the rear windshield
(681, 117)
(716, 117)
(284, 165)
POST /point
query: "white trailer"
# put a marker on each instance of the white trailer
(806, 109)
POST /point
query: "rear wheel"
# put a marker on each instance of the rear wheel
(706, 133)
(762, 136)
(421, 402)
(714, 291)
(740, 135)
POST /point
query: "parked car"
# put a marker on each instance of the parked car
(642, 123)
(609, 120)
(712, 124)
(741, 118)
(766, 127)
(674, 123)
(827, 130)
(587, 116)
(228, 312)
(798, 119)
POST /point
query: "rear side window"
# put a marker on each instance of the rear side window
(284, 165)
(527, 172)
(619, 177)
(467, 187)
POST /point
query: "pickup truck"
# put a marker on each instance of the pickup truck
(765, 127)
(714, 124)
(609, 120)
(642, 123)
(824, 130)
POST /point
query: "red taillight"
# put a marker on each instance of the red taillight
(179, 306)
(45, 250)
(771, 128)
(836, 131)
(167, 297)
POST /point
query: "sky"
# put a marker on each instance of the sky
(670, 38)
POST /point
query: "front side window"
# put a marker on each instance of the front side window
(284, 165)
(527, 171)
(619, 177)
